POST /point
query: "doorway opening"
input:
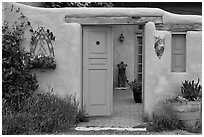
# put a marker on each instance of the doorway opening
(128, 54)
(103, 50)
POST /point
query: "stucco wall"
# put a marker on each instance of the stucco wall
(160, 82)
(67, 77)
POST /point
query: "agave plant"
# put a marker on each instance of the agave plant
(191, 90)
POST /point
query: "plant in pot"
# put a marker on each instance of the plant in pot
(187, 106)
(136, 87)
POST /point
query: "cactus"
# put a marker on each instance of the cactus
(191, 91)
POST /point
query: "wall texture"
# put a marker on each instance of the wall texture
(159, 81)
(67, 77)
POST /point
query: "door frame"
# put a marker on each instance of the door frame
(143, 58)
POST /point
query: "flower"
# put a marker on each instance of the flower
(40, 61)
(136, 85)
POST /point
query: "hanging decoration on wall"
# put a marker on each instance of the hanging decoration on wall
(42, 51)
(159, 45)
(121, 38)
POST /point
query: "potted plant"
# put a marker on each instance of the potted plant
(42, 62)
(136, 87)
(187, 106)
(42, 50)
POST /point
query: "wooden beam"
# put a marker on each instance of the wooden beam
(113, 20)
(179, 27)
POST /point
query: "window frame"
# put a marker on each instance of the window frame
(172, 55)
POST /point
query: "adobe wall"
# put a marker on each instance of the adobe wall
(159, 80)
(67, 77)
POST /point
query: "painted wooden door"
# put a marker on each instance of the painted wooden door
(97, 70)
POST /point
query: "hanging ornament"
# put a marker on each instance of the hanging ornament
(42, 50)
(159, 45)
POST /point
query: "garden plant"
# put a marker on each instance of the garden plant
(24, 111)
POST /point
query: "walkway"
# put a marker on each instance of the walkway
(126, 113)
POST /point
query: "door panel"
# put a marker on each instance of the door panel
(97, 41)
(97, 87)
(97, 70)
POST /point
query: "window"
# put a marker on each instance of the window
(139, 39)
(178, 52)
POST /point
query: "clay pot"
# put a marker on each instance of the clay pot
(189, 113)
(137, 96)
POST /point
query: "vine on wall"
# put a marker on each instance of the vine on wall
(18, 83)
(41, 53)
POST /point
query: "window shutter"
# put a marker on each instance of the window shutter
(178, 53)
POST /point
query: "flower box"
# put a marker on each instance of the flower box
(42, 62)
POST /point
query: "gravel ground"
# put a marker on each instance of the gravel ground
(112, 132)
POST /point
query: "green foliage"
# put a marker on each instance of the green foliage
(18, 83)
(164, 119)
(51, 113)
(42, 62)
(176, 99)
(82, 115)
(136, 85)
(164, 123)
(42, 113)
(191, 91)
(24, 112)
(78, 4)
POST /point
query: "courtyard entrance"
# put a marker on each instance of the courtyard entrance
(107, 104)
(126, 113)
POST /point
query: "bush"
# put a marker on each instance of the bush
(164, 119)
(191, 91)
(44, 113)
(18, 83)
(52, 113)
(164, 123)
(82, 115)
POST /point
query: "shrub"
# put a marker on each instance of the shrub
(44, 113)
(191, 91)
(51, 113)
(164, 119)
(164, 123)
(82, 115)
(18, 83)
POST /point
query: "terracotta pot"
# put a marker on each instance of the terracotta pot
(189, 113)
